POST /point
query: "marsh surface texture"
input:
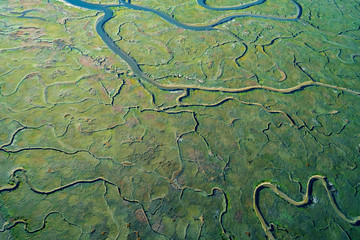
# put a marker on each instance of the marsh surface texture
(168, 119)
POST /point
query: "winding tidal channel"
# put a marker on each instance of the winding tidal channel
(170, 155)
(108, 14)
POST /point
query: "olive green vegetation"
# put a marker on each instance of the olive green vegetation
(89, 151)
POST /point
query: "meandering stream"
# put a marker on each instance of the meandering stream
(108, 14)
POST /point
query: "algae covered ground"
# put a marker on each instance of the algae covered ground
(239, 120)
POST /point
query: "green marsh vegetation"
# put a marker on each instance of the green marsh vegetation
(91, 151)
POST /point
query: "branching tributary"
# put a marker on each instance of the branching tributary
(108, 14)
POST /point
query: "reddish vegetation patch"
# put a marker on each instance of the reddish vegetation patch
(132, 122)
(140, 94)
(250, 83)
(238, 216)
(118, 109)
(196, 155)
(149, 117)
(28, 34)
(140, 216)
(170, 97)
(20, 33)
(86, 24)
(34, 3)
(158, 226)
(88, 62)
